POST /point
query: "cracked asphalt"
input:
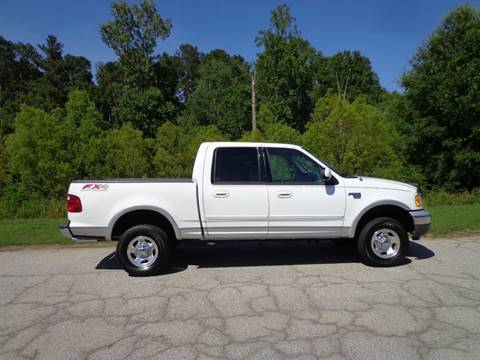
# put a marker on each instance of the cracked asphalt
(249, 300)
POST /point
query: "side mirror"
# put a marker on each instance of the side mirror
(326, 174)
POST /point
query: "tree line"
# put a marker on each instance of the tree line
(145, 113)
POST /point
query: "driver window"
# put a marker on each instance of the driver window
(292, 166)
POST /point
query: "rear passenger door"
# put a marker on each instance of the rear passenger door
(235, 197)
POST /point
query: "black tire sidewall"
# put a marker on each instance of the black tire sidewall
(157, 235)
(364, 242)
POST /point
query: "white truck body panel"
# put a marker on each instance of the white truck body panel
(102, 208)
(197, 208)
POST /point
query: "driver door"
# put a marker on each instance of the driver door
(301, 205)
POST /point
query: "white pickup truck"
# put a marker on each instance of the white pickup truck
(246, 191)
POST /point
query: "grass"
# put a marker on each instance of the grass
(31, 232)
(447, 220)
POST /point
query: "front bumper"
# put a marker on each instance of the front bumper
(421, 223)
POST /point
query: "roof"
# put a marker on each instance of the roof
(248, 144)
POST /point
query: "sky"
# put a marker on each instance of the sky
(388, 32)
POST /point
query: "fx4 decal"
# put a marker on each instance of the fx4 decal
(95, 187)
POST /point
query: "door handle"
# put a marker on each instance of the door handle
(284, 194)
(221, 194)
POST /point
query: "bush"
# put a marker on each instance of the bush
(271, 130)
(252, 136)
(442, 197)
(357, 138)
(82, 128)
(14, 206)
(119, 153)
(38, 153)
(176, 148)
(145, 109)
(3, 164)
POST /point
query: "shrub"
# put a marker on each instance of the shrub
(176, 148)
(38, 154)
(119, 153)
(442, 197)
(145, 109)
(356, 138)
(3, 164)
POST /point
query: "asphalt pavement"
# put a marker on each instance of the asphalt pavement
(243, 300)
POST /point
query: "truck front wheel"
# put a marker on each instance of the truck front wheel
(383, 242)
(144, 250)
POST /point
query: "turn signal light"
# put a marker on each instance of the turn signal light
(418, 200)
(74, 204)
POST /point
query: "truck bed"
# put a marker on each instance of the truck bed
(136, 180)
(105, 201)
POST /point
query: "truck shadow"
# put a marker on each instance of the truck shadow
(264, 253)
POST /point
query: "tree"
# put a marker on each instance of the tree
(120, 153)
(349, 74)
(4, 162)
(78, 72)
(356, 138)
(167, 71)
(221, 95)
(442, 88)
(189, 60)
(108, 90)
(176, 148)
(133, 35)
(60, 74)
(284, 70)
(18, 67)
(81, 128)
(282, 25)
(271, 130)
(39, 164)
(169, 159)
(144, 109)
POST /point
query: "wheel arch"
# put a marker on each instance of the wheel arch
(137, 215)
(392, 209)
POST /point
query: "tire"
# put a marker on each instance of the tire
(383, 242)
(144, 250)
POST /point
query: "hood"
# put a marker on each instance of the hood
(375, 183)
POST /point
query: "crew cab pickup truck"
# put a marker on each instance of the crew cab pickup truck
(246, 191)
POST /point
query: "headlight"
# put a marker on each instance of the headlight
(418, 200)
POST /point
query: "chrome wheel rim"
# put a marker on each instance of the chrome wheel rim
(385, 243)
(142, 251)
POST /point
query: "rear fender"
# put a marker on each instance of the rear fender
(161, 211)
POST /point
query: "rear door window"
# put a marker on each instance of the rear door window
(236, 165)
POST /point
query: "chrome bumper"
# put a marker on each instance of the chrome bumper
(421, 223)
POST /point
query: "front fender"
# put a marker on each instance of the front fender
(353, 227)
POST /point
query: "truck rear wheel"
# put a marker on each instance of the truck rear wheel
(383, 242)
(144, 250)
